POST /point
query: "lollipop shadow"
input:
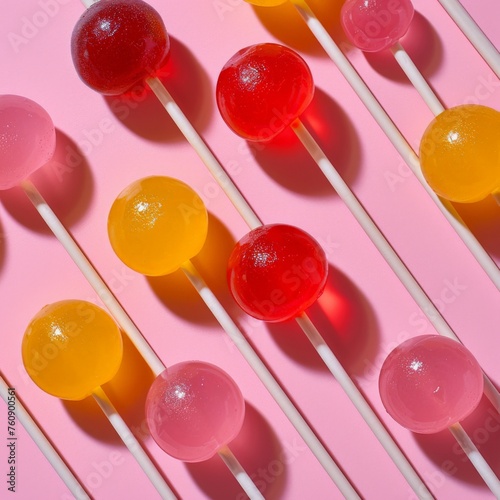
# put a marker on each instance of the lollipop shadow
(422, 44)
(141, 112)
(65, 182)
(483, 219)
(286, 160)
(127, 391)
(177, 293)
(345, 320)
(285, 23)
(260, 454)
(483, 426)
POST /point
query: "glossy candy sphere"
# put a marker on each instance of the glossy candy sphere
(429, 383)
(117, 43)
(27, 139)
(70, 348)
(262, 89)
(460, 153)
(157, 224)
(275, 272)
(193, 409)
(376, 25)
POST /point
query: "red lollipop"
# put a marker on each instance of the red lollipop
(262, 89)
(118, 43)
(275, 272)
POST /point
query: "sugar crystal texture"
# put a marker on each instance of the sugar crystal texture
(262, 89)
(277, 271)
(376, 25)
(429, 383)
(117, 44)
(70, 348)
(157, 224)
(193, 409)
(27, 139)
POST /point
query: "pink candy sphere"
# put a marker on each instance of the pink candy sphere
(376, 25)
(193, 409)
(429, 383)
(27, 139)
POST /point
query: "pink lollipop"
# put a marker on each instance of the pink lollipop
(376, 25)
(431, 383)
(27, 139)
(193, 410)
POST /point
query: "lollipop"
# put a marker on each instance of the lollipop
(131, 221)
(43, 443)
(429, 384)
(460, 153)
(472, 31)
(70, 349)
(390, 129)
(193, 410)
(276, 272)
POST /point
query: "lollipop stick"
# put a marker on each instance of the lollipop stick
(381, 243)
(270, 382)
(44, 445)
(92, 276)
(472, 31)
(417, 79)
(476, 459)
(133, 445)
(397, 139)
(240, 474)
(369, 416)
(204, 152)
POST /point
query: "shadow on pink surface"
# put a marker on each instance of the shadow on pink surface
(260, 454)
(422, 43)
(140, 111)
(288, 163)
(65, 182)
(346, 321)
(483, 426)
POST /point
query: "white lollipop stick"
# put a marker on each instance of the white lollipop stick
(204, 152)
(417, 79)
(45, 446)
(365, 410)
(383, 246)
(477, 460)
(472, 31)
(240, 474)
(269, 382)
(92, 276)
(133, 445)
(397, 139)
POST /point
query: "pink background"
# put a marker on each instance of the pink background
(363, 315)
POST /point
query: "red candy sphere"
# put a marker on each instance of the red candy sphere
(262, 89)
(117, 43)
(275, 272)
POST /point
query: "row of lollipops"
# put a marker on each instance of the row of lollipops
(141, 221)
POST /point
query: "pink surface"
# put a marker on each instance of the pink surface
(103, 144)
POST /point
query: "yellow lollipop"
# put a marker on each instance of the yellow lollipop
(460, 153)
(157, 224)
(71, 348)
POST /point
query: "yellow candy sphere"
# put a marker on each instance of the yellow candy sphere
(157, 224)
(460, 153)
(266, 3)
(70, 348)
